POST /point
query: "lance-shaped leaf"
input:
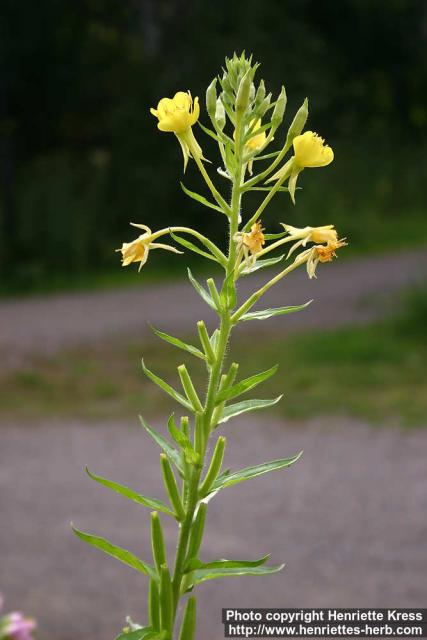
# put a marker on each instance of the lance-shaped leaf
(170, 451)
(166, 387)
(202, 575)
(266, 189)
(247, 405)
(201, 199)
(176, 342)
(201, 291)
(188, 626)
(245, 385)
(195, 564)
(151, 503)
(252, 472)
(147, 633)
(275, 236)
(261, 264)
(192, 247)
(268, 313)
(116, 552)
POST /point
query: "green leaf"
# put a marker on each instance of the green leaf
(192, 247)
(267, 189)
(214, 339)
(252, 472)
(245, 385)
(176, 342)
(201, 291)
(188, 626)
(268, 313)
(261, 264)
(151, 503)
(170, 451)
(208, 131)
(110, 549)
(166, 387)
(146, 633)
(195, 564)
(247, 405)
(275, 236)
(200, 199)
(211, 574)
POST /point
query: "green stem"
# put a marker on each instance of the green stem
(215, 371)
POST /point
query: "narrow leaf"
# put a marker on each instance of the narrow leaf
(146, 633)
(267, 189)
(170, 451)
(116, 552)
(268, 313)
(196, 564)
(200, 198)
(201, 291)
(151, 503)
(192, 247)
(176, 342)
(261, 264)
(166, 387)
(253, 472)
(245, 385)
(211, 574)
(275, 236)
(188, 626)
(247, 405)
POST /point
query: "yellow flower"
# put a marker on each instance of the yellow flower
(177, 114)
(138, 249)
(252, 242)
(317, 235)
(310, 150)
(319, 253)
(256, 142)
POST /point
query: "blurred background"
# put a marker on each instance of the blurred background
(80, 157)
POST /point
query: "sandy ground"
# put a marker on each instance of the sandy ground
(348, 519)
(354, 291)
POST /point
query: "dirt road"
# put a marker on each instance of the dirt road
(348, 519)
(354, 291)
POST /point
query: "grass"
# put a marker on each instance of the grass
(376, 373)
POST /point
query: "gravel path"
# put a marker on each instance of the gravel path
(350, 291)
(348, 519)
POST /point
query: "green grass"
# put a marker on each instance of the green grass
(376, 373)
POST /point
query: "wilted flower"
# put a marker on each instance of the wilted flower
(177, 115)
(138, 249)
(319, 253)
(317, 235)
(310, 150)
(251, 243)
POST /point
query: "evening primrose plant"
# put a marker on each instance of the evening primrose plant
(244, 119)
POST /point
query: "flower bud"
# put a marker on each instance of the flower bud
(243, 92)
(220, 114)
(298, 122)
(263, 106)
(279, 109)
(211, 98)
(260, 94)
